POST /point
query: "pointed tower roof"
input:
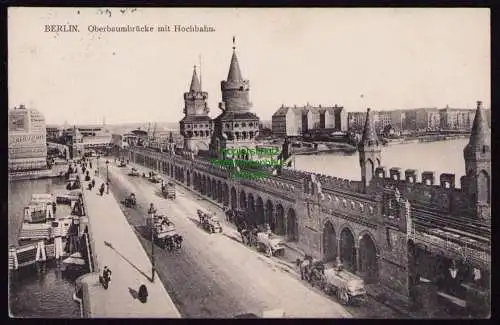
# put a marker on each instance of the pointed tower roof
(195, 82)
(234, 74)
(369, 132)
(480, 133)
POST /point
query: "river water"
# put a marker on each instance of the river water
(440, 157)
(48, 293)
(37, 292)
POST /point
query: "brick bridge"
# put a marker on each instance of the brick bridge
(375, 232)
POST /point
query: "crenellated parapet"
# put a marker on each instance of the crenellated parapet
(442, 196)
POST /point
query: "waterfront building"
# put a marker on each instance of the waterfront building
(27, 139)
(356, 121)
(236, 126)
(295, 121)
(54, 132)
(456, 118)
(427, 119)
(86, 137)
(196, 126)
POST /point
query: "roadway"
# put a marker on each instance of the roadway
(214, 275)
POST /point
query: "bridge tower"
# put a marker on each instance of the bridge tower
(477, 155)
(369, 150)
(236, 126)
(77, 147)
(196, 126)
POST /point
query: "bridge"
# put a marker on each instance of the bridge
(311, 209)
(114, 244)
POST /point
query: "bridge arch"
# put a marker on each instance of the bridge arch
(280, 220)
(259, 211)
(234, 198)
(329, 242)
(368, 257)
(292, 227)
(251, 208)
(243, 200)
(269, 215)
(348, 249)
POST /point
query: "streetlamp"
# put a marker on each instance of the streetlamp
(107, 171)
(152, 212)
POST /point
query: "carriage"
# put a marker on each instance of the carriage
(164, 232)
(168, 190)
(346, 286)
(122, 163)
(269, 243)
(130, 201)
(134, 172)
(209, 221)
(154, 178)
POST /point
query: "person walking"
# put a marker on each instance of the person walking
(107, 187)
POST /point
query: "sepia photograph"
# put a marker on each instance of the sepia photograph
(249, 163)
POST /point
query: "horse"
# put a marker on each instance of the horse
(305, 266)
(178, 241)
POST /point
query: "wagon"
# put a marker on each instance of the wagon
(209, 221)
(164, 232)
(348, 287)
(130, 201)
(133, 172)
(168, 190)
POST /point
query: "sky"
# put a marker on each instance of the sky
(384, 58)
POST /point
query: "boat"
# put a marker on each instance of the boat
(75, 262)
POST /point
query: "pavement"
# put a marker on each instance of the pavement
(214, 275)
(126, 258)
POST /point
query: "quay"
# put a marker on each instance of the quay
(114, 244)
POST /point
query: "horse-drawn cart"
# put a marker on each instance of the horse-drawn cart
(346, 286)
(168, 190)
(209, 221)
(130, 201)
(164, 232)
(134, 172)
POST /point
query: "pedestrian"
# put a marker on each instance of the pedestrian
(93, 182)
(107, 187)
(142, 295)
(54, 208)
(101, 190)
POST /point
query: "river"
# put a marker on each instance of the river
(35, 293)
(440, 157)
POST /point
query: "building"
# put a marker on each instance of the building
(86, 137)
(236, 126)
(196, 126)
(27, 139)
(54, 132)
(295, 121)
(456, 119)
(356, 121)
(427, 119)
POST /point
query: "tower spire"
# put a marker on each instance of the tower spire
(480, 133)
(234, 74)
(195, 83)
(369, 132)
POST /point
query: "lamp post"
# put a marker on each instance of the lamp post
(107, 171)
(152, 212)
(97, 170)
